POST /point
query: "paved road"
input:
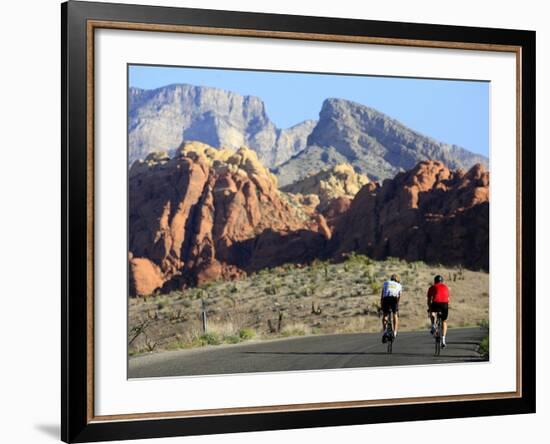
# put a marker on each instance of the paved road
(309, 353)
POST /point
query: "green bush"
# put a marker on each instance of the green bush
(233, 339)
(484, 323)
(483, 348)
(210, 339)
(246, 333)
(359, 259)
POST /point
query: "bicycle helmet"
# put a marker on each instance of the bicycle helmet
(395, 278)
(438, 279)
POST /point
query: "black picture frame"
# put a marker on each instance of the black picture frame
(77, 424)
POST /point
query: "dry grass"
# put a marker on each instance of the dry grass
(321, 298)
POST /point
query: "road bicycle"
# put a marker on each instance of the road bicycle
(389, 333)
(438, 329)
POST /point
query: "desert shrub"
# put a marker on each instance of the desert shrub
(393, 260)
(367, 275)
(375, 287)
(246, 333)
(232, 339)
(483, 348)
(210, 338)
(264, 272)
(484, 323)
(288, 267)
(197, 293)
(358, 259)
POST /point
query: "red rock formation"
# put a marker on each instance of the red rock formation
(336, 208)
(428, 213)
(145, 276)
(207, 214)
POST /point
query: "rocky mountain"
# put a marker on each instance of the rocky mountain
(338, 181)
(373, 143)
(159, 119)
(206, 213)
(428, 213)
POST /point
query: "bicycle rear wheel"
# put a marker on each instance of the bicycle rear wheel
(438, 332)
(389, 332)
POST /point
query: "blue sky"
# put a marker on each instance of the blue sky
(448, 110)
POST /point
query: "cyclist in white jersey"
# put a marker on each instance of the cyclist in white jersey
(389, 300)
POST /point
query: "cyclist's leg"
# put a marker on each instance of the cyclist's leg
(396, 317)
(385, 313)
(444, 316)
(432, 315)
(384, 326)
(384, 321)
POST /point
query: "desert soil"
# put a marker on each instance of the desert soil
(322, 298)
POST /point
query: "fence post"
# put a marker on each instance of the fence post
(203, 316)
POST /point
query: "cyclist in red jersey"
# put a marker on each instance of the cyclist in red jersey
(438, 301)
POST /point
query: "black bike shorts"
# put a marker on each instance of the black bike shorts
(441, 307)
(390, 304)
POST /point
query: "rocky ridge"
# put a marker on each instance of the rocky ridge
(207, 213)
(160, 119)
(338, 181)
(429, 213)
(372, 142)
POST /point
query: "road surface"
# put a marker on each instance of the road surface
(310, 353)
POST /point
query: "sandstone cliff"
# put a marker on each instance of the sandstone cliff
(429, 213)
(339, 181)
(209, 213)
(205, 214)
